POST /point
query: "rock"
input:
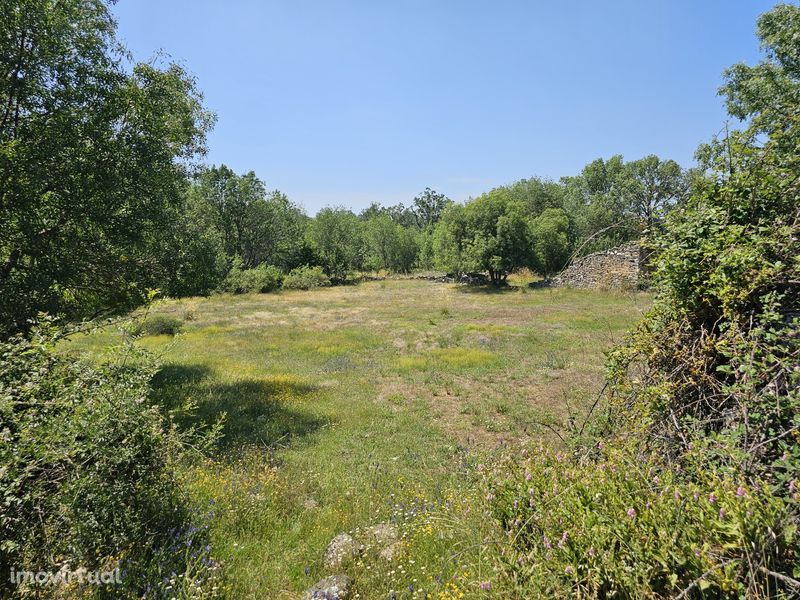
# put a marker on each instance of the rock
(391, 552)
(473, 279)
(335, 587)
(380, 535)
(341, 548)
(542, 283)
(619, 268)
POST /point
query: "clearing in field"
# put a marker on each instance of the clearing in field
(356, 405)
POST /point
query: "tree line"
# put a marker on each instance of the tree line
(228, 223)
(104, 196)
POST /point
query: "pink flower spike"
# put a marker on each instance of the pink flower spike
(631, 513)
(712, 497)
(569, 570)
(486, 585)
(721, 513)
(527, 475)
(740, 492)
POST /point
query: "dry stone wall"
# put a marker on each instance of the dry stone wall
(615, 269)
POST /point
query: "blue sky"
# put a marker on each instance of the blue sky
(345, 103)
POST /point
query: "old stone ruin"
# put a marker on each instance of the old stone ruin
(619, 268)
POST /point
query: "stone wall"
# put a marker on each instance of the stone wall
(615, 269)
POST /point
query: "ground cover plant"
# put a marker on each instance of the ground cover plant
(280, 416)
(356, 405)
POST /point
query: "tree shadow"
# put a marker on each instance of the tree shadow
(256, 409)
(487, 289)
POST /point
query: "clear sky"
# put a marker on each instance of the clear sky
(349, 102)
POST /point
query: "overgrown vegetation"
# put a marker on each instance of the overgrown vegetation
(345, 410)
(87, 477)
(260, 279)
(305, 278)
(692, 488)
(157, 324)
(381, 403)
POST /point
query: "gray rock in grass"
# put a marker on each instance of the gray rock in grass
(335, 587)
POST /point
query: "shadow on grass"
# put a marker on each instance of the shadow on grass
(488, 289)
(256, 409)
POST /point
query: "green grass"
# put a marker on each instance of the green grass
(357, 405)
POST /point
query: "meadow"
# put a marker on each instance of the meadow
(374, 403)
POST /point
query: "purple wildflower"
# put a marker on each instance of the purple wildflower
(547, 543)
(568, 570)
(486, 585)
(740, 492)
(712, 498)
(631, 513)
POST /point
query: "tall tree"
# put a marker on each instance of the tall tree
(93, 156)
(337, 236)
(550, 240)
(650, 187)
(490, 233)
(234, 198)
(428, 207)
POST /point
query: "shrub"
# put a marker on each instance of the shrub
(261, 279)
(606, 524)
(86, 475)
(697, 493)
(158, 324)
(305, 278)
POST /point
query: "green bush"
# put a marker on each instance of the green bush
(261, 279)
(606, 524)
(305, 278)
(157, 325)
(86, 476)
(695, 492)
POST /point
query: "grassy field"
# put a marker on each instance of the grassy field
(375, 403)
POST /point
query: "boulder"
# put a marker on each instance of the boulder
(341, 548)
(391, 552)
(335, 587)
(380, 535)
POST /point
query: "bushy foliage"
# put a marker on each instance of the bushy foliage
(717, 357)
(86, 476)
(157, 324)
(490, 233)
(93, 158)
(305, 278)
(612, 202)
(337, 237)
(390, 246)
(195, 253)
(694, 489)
(606, 524)
(550, 236)
(260, 279)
